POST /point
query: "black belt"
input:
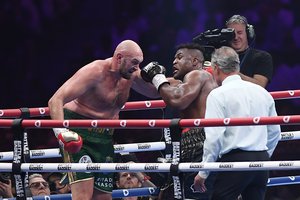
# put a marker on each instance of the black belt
(233, 151)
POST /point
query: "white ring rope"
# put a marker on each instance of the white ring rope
(150, 191)
(124, 148)
(153, 167)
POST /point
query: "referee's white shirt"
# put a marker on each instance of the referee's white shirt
(238, 98)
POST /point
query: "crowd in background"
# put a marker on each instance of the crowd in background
(45, 42)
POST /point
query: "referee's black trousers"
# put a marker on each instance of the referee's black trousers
(250, 184)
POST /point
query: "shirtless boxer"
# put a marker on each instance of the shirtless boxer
(96, 91)
(187, 92)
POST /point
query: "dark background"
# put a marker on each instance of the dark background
(43, 43)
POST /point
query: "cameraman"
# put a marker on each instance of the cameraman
(256, 65)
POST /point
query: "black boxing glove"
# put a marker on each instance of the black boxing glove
(154, 73)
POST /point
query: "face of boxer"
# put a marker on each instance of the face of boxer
(128, 66)
(182, 64)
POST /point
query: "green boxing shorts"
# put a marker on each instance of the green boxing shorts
(97, 148)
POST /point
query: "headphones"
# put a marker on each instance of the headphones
(241, 19)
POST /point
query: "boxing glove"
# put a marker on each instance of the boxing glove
(155, 73)
(67, 139)
(207, 67)
(209, 70)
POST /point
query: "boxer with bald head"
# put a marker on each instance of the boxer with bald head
(97, 91)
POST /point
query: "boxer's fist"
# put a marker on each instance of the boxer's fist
(155, 73)
(150, 70)
(69, 140)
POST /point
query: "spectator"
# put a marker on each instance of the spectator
(56, 186)
(5, 186)
(38, 185)
(129, 180)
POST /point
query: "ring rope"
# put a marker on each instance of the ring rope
(135, 105)
(153, 167)
(153, 123)
(122, 148)
(150, 191)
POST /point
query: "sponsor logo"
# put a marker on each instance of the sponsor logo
(119, 147)
(17, 151)
(144, 146)
(151, 167)
(286, 119)
(196, 166)
(177, 188)
(167, 135)
(148, 104)
(66, 123)
(122, 167)
(125, 192)
(176, 152)
(197, 122)
(292, 178)
(38, 123)
(85, 159)
(123, 123)
(291, 92)
(37, 167)
(226, 121)
(37, 153)
(225, 165)
(286, 164)
(256, 120)
(64, 167)
(19, 186)
(256, 165)
(93, 167)
(26, 148)
(286, 136)
(42, 111)
(151, 190)
(94, 123)
(152, 123)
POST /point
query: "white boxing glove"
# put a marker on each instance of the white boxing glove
(69, 140)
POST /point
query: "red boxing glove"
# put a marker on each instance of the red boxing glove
(207, 67)
(69, 140)
(209, 70)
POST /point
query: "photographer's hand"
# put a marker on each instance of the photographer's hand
(6, 190)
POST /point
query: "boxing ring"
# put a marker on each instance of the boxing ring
(18, 120)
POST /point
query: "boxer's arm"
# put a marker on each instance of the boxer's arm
(143, 87)
(182, 95)
(74, 87)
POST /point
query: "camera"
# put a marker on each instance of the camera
(4, 177)
(214, 39)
